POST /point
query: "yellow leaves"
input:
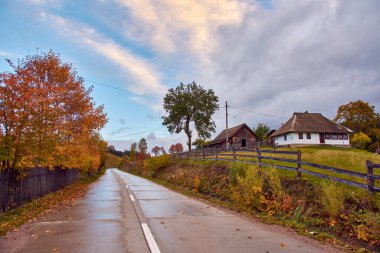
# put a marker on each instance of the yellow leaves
(362, 233)
(332, 222)
(197, 182)
(44, 107)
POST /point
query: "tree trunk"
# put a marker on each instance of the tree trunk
(188, 133)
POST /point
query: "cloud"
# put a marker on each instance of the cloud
(122, 121)
(145, 77)
(151, 136)
(5, 54)
(296, 56)
(171, 26)
(120, 130)
(161, 141)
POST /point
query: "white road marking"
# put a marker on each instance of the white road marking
(126, 186)
(150, 239)
(132, 198)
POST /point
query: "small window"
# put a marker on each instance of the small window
(345, 136)
(285, 137)
(300, 135)
(308, 136)
(334, 136)
(327, 136)
(340, 136)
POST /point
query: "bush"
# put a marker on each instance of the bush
(273, 181)
(237, 170)
(248, 189)
(154, 164)
(332, 198)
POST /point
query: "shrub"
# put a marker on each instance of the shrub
(273, 181)
(248, 189)
(154, 164)
(237, 170)
(332, 198)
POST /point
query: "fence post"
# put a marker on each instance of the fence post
(371, 181)
(216, 154)
(298, 165)
(234, 153)
(203, 155)
(188, 155)
(258, 155)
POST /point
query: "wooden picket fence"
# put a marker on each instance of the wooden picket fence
(261, 157)
(19, 187)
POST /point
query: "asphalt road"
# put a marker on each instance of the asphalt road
(125, 213)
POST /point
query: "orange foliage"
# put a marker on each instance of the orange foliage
(47, 117)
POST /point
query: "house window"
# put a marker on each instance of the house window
(334, 136)
(308, 136)
(340, 136)
(285, 137)
(327, 136)
(345, 136)
(300, 135)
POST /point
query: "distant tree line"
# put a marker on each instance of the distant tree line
(112, 150)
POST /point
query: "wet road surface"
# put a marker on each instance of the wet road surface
(181, 224)
(125, 213)
(104, 221)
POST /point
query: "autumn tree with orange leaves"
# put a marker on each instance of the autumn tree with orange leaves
(47, 116)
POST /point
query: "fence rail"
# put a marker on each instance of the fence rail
(19, 187)
(234, 155)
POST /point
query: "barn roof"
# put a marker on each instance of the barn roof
(310, 123)
(231, 132)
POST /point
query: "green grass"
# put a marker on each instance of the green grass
(343, 158)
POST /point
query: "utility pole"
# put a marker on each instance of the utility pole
(227, 144)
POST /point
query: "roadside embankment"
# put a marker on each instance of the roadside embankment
(322, 209)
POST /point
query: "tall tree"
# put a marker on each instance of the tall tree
(46, 114)
(358, 116)
(156, 150)
(132, 155)
(178, 148)
(188, 104)
(172, 149)
(163, 151)
(143, 147)
(261, 131)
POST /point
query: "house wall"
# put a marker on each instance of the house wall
(292, 139)
(243, 134)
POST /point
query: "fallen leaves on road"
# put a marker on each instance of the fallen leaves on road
(11, 220)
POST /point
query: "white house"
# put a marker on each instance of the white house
(311, 129)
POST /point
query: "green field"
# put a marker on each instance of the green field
(343, 158)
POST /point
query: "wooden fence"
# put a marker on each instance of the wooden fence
(19, 187)
(261, 156)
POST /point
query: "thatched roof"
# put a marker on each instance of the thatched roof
(231, 132)
(310, 123)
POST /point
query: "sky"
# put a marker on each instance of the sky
(267, 58)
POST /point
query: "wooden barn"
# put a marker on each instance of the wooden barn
(240, 136)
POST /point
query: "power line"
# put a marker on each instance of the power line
(126, 135)
(260, 113)
(107, 85)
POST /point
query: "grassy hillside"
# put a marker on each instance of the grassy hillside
(320, 208)
(342, 158)
(345, 158)
(113, 161)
